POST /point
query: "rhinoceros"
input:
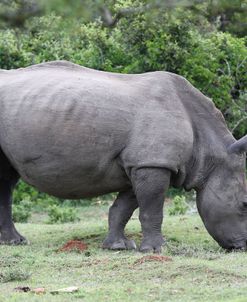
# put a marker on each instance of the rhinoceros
(75, 132)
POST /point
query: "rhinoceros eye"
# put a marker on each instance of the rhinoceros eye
(245, 203)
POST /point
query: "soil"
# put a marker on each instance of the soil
(150, 258)
(73, 245)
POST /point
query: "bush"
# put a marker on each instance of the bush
(39, 201)
(179, 206)
(21, 212)
(23, 191)
(61, 215)
(218, 68)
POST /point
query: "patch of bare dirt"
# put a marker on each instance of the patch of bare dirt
(155, 258)
(73, 245)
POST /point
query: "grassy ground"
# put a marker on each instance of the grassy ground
(199, 270)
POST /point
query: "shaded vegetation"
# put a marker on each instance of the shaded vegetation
(61, 215)
(179, 206)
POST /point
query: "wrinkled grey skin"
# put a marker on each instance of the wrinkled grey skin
(74, 132)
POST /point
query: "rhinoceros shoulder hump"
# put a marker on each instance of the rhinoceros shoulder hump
(61, 64)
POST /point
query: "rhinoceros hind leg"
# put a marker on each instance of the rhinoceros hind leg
(119, 214)
(8, 179)
(150, 185)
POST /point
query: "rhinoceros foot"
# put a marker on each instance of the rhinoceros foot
(119, 244)
(12, 238)
(152, 245)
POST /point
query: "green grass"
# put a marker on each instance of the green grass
(199, 270)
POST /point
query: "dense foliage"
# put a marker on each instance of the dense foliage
(204, 43)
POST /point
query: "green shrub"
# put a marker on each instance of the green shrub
(23, 191)
(179, 206)
(21, 212)
(43, 203)
(217, 67)
(40, 201)
(61, 214)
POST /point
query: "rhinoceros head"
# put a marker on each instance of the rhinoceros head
(222, 202)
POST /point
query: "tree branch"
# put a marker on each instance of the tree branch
(110, 20)
(18, 17)
(238, 123)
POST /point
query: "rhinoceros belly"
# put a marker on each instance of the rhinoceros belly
(74, 162)
(70, 159)
(67, 178)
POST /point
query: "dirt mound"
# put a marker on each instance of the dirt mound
(150, 258)
(73, 245)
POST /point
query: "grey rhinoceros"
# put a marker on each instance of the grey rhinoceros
(74, 132)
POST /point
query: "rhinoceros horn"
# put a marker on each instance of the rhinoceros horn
(239, 146)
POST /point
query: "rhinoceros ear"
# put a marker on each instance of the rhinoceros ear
(239, 146)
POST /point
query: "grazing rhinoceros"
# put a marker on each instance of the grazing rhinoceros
(74, 132)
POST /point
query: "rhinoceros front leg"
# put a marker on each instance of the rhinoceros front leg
(119, 214)
(8, 233)
(150, 185)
